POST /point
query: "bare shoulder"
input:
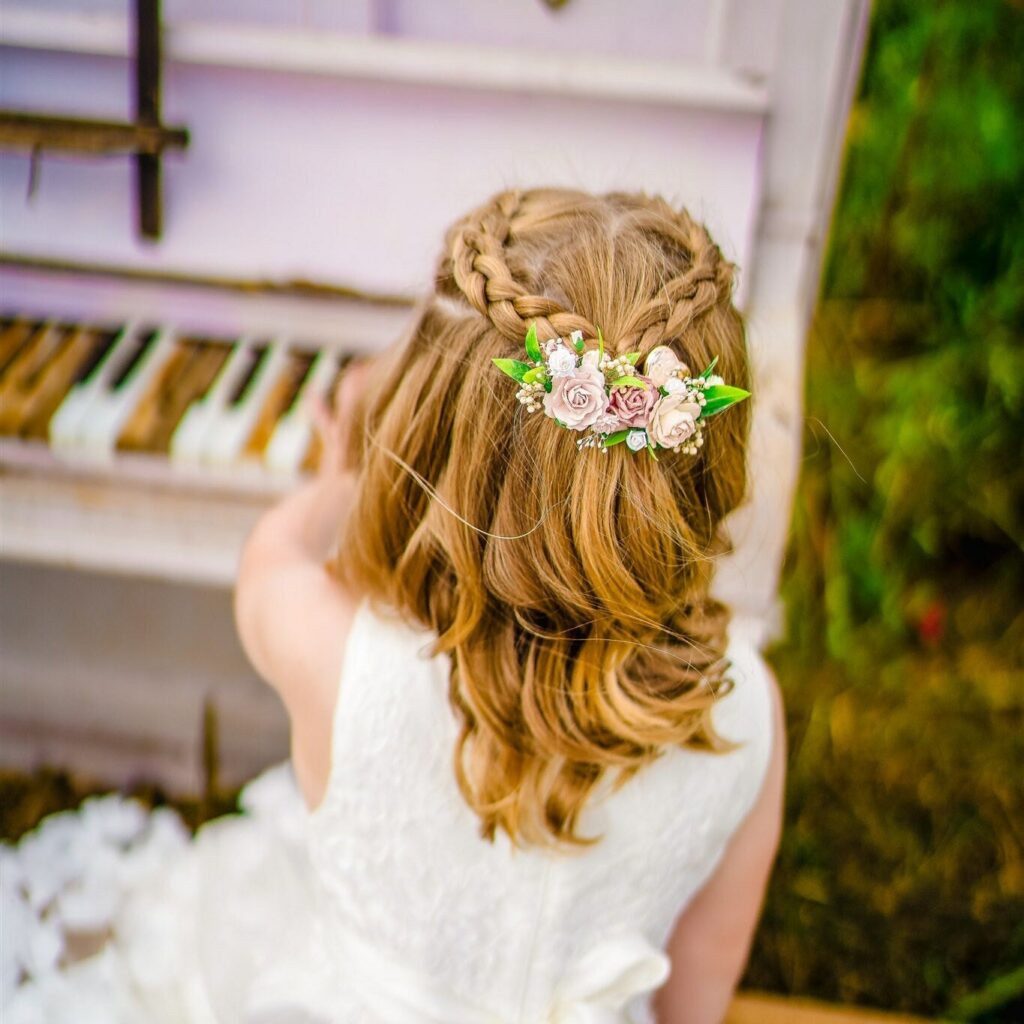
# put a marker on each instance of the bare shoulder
(293, 620)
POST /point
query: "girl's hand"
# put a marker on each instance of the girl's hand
(333, 420)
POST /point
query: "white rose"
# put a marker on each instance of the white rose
(674, 386)
(561, 362)
(636, 440)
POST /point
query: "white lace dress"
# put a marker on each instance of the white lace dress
(383, 906)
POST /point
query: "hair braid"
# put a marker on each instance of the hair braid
(478, 266)
(684, 299)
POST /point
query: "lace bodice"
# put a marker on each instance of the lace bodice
(429, 922)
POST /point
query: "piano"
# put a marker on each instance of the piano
(153, 384)
(183, 436)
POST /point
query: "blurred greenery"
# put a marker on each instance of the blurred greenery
(900, 881)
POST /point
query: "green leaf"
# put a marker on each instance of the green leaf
(600, 345)
(532, 347)
(721, 396)
(628, 382)
(535, 374)
(513, 367)
(633, 357)
(710, 367)
(578, 344)
(617, 438)
(650, 449)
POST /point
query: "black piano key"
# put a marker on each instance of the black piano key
(104, 339)
(257, 355)
(141, 344)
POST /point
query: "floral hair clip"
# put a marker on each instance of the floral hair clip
(587, 390)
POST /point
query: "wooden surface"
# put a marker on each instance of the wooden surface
(754, 1008)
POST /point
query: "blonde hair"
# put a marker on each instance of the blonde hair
(569, 588)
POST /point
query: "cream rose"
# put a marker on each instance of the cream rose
(661, 363)
(673, 421)
(579, 400)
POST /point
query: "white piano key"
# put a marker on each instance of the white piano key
(231, 425)
(190, 437)
(292, 436)
(111, 409)
(67, 422)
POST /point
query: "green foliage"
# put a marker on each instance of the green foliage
(720, 397)
(532, 345)
(901, 877)
(516, 369)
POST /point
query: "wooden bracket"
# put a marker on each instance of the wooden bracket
(144, 139)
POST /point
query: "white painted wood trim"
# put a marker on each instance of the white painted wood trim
(376, 58)
(124, 529)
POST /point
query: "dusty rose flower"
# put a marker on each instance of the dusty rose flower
(673, 421)
(579, 400)
(633, 405)
(661, 363)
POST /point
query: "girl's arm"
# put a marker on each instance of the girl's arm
(291, 615)
(711, 941)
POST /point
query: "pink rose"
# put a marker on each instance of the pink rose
(673, 421)
(579, 400)
(633, 405)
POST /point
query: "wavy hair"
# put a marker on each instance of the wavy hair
(570, 589)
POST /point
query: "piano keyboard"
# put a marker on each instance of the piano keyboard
(94, 395)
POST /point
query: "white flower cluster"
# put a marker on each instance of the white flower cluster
(531, 395)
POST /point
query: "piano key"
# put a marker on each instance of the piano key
(190, 437)
(233, 423)
(112, 406)
(277, 402)
(105, 338)
(71, 415)
(22, 373)
(76, 347)
(185, 377)
(288, 445)
(196, 380)
(311, 462)
(13, 337)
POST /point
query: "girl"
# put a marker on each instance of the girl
(543, 782)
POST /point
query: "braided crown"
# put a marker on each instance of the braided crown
(477, 262)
